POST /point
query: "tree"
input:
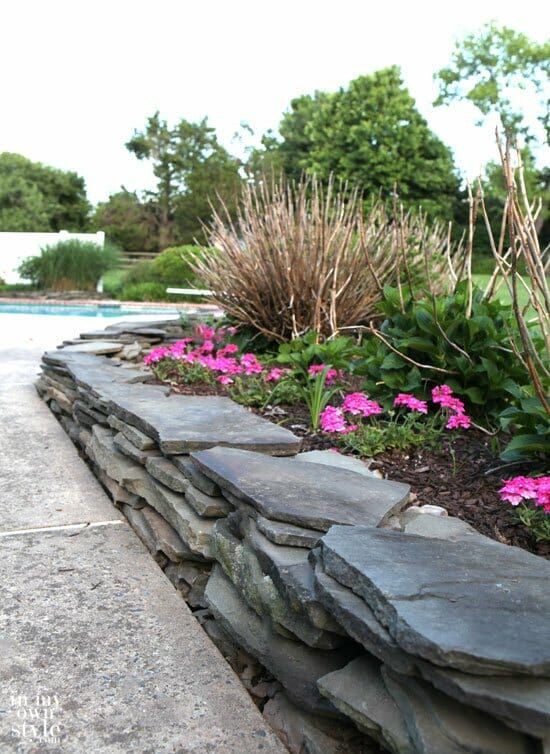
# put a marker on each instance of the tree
(371, 135)
(128, 222)
(191, 168)
(489, 68)
(36, 197)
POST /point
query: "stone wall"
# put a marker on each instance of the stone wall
(351, 617)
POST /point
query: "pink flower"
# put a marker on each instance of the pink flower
(519, 488)
(316, 369)
(412, 403)
(205, 332)
(251, 364)
(459, 421)
(156, 355)
(224, 379)
(543, 493)
(275, 374)
(359, 403)
(439, 392)
(332, 420)
(228, 349)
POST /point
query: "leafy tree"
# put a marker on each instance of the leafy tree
(371, 135)
(128, 222)
(36, 197)
(488, 67)
(192, 169)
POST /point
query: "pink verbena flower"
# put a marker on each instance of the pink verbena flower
(316, 369)
(156, 355)
(543, 493)
(519, 488)
(225, 379)
(275, 374)
(459, 421)
(359, 403)
(332, 420)
(251, 364)
(205, 332)
(440, 392)
(229, 349)
(412, 403)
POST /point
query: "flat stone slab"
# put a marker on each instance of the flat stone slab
(315, 496)
(296, 666)
(441, 600)
(195, 476)
(130, 450)
(130, 666)
(132, 434)
(359, 691)
(205, 505)
(183, 423)
(337, 460)
(166, 472)
(156, 533)
(281, 533)
(97, 347)
(438, 724)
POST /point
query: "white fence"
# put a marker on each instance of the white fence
(15, 247)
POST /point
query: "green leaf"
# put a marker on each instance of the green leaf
(392, 361)
(475, 395)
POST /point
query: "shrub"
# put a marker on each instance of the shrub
(426, 341)
(69, 265)
(173, 267)
(302, 258)
(144, 292)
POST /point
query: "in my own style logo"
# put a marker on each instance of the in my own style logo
(36, 717)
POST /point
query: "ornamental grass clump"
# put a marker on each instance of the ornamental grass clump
(303, 258)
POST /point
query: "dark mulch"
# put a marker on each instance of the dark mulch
(467, 487)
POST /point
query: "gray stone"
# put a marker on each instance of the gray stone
(126, 447)
(60, 398)
(166, 472)
(92, 401)
(315, 496)
(209, 507)
(96, 416)
(137, 438)
(359, 692)
(441, 600)
(243, 568)
(156, 533)
(118, 494)
(440, 725)
(296, 666)
(281, 533)
(520, 702)
(304, 733)
(196, 477)
(338, 460)
(190, 580)
(131, 351)
(103, 452)
(183, 423)
(97, 347)
(358, 620)
(440, 527)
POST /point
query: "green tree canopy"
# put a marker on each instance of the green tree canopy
(36, 197)
(192, 169)
(488, 67)
(128, 222)
(371, 135)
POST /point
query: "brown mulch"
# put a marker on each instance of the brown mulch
(466, 487)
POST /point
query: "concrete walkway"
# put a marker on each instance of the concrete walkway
(98, 652)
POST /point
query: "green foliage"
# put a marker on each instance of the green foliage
(371, 439)
(149, 279)
(531, 427)
(181, 372)
(536, 520)
(39, 198)
(301, 353)
(128, 222)
(372, 135)
(192, 170)
(175, 265)
(474, 351)
(316, 395)
(250, 390)
(490, 67)
(69, 265)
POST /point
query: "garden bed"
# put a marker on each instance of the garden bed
(463, 475)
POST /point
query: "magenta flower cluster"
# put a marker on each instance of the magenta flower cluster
(521, 488)
(205, 349)
(358, 404)
(330, 376)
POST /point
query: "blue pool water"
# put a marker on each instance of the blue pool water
(83, 310)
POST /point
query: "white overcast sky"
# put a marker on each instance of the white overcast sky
(77, 77)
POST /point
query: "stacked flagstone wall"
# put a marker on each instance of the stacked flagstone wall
(359, 614)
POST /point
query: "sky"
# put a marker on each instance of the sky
(78, 76)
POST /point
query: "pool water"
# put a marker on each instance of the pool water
(83, 310)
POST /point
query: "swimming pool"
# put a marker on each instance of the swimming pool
(84, 310)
